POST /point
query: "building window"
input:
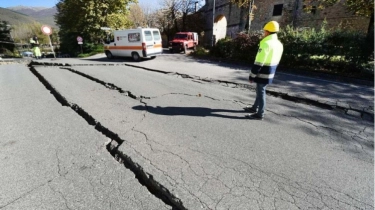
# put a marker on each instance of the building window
(277, 10)
(313, 10)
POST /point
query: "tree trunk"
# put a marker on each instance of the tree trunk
(295, 13)
(370, 36)
(184, 21)
(243, 19)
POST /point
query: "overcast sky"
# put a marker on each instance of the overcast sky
(51, 3)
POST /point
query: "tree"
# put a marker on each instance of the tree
(24, 31)
(166, 18)
(6, 41)
(241, 3)
(250, 6)
(137, 16)
(171, 10)
(148, 12)
(358, 7)
(142, 15)
(86, 17)
(176, 15)
(364, 8)
(186, 7)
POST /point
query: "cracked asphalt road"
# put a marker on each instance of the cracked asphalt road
(50, 158)
(190, 140)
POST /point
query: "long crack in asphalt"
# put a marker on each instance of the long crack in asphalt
(147, 180)
(281, 95)
(363, 114)
(311, 102)
(115, 142)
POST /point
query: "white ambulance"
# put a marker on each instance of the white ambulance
(136, 43)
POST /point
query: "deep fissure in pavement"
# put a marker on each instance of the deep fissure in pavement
(107, 85)
(363, 114)
(144, 178)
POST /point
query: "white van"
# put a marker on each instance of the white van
(136, 43)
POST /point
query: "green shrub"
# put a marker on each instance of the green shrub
(200, 51)
(84, 55)
(90, 49)
(222, 49)
(301, 44)
(337, 51)
(349, 45)
(243, 48)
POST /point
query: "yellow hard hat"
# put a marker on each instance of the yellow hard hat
(272, 26)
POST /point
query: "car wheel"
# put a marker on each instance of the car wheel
(135, 56)
(171, 51)
(109, 55)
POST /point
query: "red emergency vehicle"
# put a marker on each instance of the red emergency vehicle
(183, 41)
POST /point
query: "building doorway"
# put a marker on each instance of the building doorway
(220, 27)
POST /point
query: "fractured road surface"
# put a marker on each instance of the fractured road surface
(357, 97)
(189, 139)
(50, 158)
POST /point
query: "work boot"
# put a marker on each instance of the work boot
(250, 109)
(254, 117)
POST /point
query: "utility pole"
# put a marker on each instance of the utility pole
(295, 13)
(213, 24)
(251, 4)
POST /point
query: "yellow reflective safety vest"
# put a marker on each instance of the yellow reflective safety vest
(267, 60)
(37, 52)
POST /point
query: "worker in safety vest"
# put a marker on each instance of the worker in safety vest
(264, 69)
(37, 53)
(32, 42)
(35, 47)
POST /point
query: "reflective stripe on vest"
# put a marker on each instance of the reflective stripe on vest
(267, 59)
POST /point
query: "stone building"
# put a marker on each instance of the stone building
(229, 19)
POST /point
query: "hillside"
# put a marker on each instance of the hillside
(14, 18)
(40, 14)
(35, 12)
(27, 10)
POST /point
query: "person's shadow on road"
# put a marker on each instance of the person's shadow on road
(190, 111)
